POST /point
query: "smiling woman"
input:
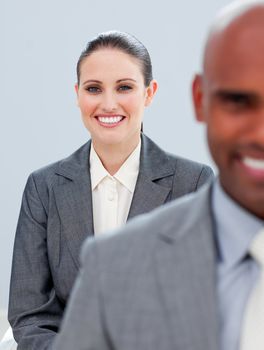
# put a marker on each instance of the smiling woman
(114, 85)
(115, 176)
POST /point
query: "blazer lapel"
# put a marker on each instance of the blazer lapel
(154, 166)
(74, 201)
(147, 196)
(186, 274)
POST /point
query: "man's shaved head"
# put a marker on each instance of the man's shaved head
(232, 11)
(239, 15)
(229, 98)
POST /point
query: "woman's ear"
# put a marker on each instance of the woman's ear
(197, 96)
(151, 90)
(76, 88)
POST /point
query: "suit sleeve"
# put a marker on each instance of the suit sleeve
(205, 176)
(34, 310)
(83, 323)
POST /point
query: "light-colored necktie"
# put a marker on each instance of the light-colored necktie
(252, 335)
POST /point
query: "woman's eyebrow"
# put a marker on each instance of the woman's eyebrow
(100, 82)
(92, 81)
(126, 79)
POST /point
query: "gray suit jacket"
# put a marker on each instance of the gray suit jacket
(150, 287)
(56, 217)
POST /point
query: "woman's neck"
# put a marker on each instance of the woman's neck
(114, 156)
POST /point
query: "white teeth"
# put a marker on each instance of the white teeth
(257, 164)
(110, 120)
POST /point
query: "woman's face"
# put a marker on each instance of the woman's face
(112, 97)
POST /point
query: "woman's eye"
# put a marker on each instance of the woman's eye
(93, 89)
(124, 88)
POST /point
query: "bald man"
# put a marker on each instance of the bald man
(183, 277)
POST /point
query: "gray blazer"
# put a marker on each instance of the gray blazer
(56, 217)
(150, 287)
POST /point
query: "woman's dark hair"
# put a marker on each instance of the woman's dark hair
(123, 42)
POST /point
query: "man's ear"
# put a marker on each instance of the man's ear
(151, 90)
(198, 96)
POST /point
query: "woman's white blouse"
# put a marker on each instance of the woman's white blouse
(112, 195)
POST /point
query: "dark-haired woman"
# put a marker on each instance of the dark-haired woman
(116, 175)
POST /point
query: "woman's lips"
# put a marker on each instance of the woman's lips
(109, 121)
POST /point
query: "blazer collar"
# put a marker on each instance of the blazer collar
(154, 165)
(77, 164)
(186, 272)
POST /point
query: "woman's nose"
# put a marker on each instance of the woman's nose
(109, 102)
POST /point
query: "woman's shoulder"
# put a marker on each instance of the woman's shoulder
(176, 161)
(186, 163)
(66, 167)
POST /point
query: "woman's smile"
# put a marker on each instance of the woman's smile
(109, 120)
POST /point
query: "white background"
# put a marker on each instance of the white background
(40, 123)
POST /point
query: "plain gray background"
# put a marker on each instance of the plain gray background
(40, 122)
